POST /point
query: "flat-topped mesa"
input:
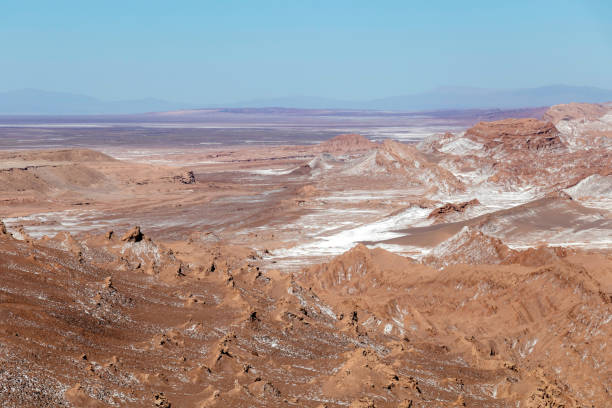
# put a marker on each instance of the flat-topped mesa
(518, 134)
(346, 143)
(31, 157)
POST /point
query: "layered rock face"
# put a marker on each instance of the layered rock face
(517, 134)
(516, 154)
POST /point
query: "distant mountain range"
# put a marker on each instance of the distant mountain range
(37, 102)
(450, 98)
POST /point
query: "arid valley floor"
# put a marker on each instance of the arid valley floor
(307, 259)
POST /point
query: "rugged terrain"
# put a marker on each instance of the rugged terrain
(473, 268)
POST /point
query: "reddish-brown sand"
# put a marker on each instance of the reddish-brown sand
(469, 270)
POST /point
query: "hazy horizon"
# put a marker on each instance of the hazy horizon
(236, 102)
(35, 102)
(210, 53)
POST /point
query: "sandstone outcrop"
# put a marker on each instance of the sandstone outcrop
(346, 144)
(517, 134)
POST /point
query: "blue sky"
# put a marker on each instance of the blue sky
(225, 51)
